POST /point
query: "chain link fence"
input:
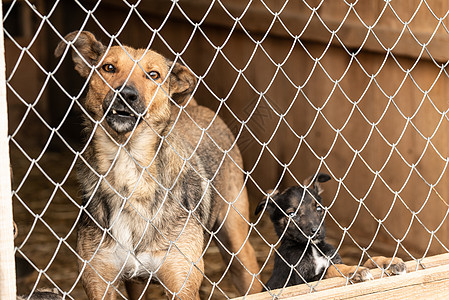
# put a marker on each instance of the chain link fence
(354, 89)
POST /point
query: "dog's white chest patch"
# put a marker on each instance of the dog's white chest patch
(132, 264)
(320, 262)
(120, 230)
(141, 265)
(125, 172)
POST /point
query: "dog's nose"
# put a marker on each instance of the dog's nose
(129, 94)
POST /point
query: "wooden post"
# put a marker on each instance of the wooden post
(7, 266)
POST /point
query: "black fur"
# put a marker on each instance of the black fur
(298, 218)
(42, 295)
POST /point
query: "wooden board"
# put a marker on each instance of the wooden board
(351, 33)
(429, 277)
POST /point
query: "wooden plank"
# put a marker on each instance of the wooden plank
(431, 282)
(432, 270)
(7, 266)
(350, 34)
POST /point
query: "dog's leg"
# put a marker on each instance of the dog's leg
(182, 269)
(396, 266)
(99, 275)
(354, 273)
(135, 290)
(234, 237)
(98, 287)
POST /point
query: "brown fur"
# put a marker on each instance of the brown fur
(392, 265)
(153, 178)
(355, 273)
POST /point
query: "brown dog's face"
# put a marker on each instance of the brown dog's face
(128, 86)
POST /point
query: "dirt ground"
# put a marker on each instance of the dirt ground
(46, 211)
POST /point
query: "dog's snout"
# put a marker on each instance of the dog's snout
(129, 94)
(315, 229)
(123, 107)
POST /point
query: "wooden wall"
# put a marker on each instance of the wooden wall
(370, 109)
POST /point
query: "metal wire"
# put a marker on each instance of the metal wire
(282, 120)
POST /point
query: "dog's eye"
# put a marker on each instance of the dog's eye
(291, 213)
(319, 209)
(108, 68)
(154, 75)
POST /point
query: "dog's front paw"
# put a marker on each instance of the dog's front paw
(397, 267)
(394, 266)
(361, 274)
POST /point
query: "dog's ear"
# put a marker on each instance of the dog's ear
(269, 204)
(87, 46)
(261, 205)
(15, 230)
(314, 182)
(181, 83)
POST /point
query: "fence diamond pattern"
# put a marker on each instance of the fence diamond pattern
(356, 90)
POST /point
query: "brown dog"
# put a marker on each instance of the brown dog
(158, 179)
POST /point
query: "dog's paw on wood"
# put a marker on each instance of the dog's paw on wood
(360, 274)
(352, 273)
(393, 266)
(398, 267)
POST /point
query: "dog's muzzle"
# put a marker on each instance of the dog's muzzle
(123, 108)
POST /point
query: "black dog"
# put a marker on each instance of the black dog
(304, 256)
(42, 295)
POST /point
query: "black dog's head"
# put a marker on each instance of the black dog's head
(297, 212)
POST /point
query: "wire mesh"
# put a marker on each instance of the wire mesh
(350, 88)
